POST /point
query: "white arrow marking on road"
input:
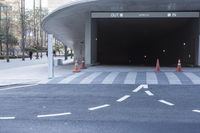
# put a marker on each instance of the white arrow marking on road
(140, 87)
(123, 98)
(165, 102)
(149, 93)
(7, 118)
(197, 111)
(99, 107)
(53, 115)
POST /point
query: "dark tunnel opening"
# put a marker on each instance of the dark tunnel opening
(140, 42)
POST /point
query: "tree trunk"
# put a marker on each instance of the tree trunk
(23, 27)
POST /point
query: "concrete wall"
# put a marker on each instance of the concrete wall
(198, 48)
(88, 40)
(94, 42)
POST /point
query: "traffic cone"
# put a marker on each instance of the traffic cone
(179, 68)
(157, 66)
(83, 64)
(76, 69)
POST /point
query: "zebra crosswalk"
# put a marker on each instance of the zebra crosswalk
(171, 78)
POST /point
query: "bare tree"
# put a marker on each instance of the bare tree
(23, 27)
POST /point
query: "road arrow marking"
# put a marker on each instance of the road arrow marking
(149, 93)
(53, 115)
(123, 98)
(165, 102)
(140, 87)
(196, 111)
(7, 118)
(99, 107)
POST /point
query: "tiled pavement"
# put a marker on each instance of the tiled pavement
(163, 78)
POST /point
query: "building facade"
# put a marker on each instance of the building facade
(129, 32)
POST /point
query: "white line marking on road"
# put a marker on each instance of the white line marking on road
(67, 80)
(149, 93)
(130, 78)
(53, 115)
(123, 98)
(90, 78)
(7, 118)
(151, 78)
(194, 78)
(140, 87)
(98, 107)
(196, 111)
(110, 78)
(17, 87)
(172, 78)
(165, 102)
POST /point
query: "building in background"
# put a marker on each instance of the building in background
(53, 4)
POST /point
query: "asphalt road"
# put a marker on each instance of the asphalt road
(100, 109)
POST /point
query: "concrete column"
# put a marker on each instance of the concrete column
(50, 57)
(77, 53)
(199, 52)
(94, 42)
(88, 41)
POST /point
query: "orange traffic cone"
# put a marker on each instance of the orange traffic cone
(157, 66)
(83, 64)
(76, 69)
(179, 68)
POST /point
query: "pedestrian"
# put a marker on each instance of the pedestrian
(31, 55)
(54, 53)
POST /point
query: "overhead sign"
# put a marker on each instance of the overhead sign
(145, 15)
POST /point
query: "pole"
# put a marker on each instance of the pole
(23, 27)
(50, 57)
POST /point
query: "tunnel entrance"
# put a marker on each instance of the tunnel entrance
(140, 41)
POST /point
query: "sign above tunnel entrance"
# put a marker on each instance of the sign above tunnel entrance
(145, 15)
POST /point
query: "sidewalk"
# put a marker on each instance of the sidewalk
(36, 71)
(26, 72)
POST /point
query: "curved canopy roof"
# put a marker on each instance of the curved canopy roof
(67, 23)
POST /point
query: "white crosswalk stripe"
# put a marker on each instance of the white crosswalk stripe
(172, 78)
(130, 78)
(194, 78)
(70, 78)
(110, 78)
(90, 78)
(151, 78)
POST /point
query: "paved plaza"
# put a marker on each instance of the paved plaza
(36, 72)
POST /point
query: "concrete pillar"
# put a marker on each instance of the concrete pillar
(199, 52)
(94, 42)
(88, 41)
(77, 53)
(50, 57)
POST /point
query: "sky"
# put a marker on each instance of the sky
(29, 3)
